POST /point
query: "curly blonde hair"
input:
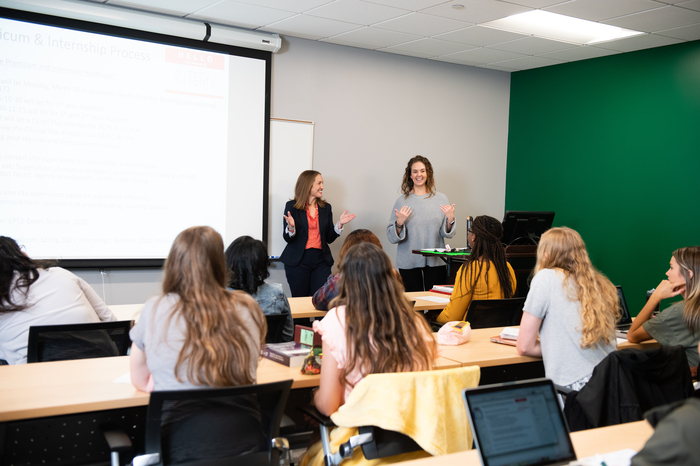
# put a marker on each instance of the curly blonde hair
(563, 248)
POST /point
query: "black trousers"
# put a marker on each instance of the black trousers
(423, 278)
(309, 275)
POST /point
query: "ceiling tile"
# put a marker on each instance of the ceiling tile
(528, 63)
(484, 55)
(421, 24)
(430, 47)
(373, 38)
(532, 46)
(310, 27)
(684, 33)
(536, 3)
(481, 36)
(496, 67)
(646, 41)
(692, 5)
(597, 10)
(405, 52)
(170, 7)
(412, 5)
(241, 14)
(357, 11)
(297, 6)
(667, 17)
(579, 53)
(476, 11)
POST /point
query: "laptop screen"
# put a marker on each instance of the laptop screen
(518, 424)
(624, 312)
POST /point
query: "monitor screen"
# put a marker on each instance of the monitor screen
(525, 227)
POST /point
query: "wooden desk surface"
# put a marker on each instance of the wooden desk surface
(484, 353)
(301, 307)
(586, 443)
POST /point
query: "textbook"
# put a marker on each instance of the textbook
(444, 289)
(290, 354)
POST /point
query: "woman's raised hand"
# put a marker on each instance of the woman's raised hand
(449, 211)
(402, 215)
(345, 217)
(667, 290)
(290, 221)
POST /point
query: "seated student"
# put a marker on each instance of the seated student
(167, 351)
(485, 274)
(355, 337)
(574, 308)
(247, 261)
(35, 293)
(674, 441)
(329, 290)
(680, 323)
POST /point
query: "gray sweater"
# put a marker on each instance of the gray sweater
(425, 228)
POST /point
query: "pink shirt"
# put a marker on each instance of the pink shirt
(314, 240)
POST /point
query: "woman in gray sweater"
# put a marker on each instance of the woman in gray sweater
(421, 219)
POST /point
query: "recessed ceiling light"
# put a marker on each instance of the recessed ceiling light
(561, 28)
(457, 6)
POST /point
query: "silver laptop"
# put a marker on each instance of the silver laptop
(518, 423)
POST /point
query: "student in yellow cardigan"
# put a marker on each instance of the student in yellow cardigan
(485, 275)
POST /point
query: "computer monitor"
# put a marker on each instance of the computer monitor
(525, 227)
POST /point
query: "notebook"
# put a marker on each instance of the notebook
(626, 321)
(518, 423)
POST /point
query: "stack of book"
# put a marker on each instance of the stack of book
(444, 289)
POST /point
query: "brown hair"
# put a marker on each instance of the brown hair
(563, 248)
(383, 332)
(407, 183)
(302, 190)
(487, 249)
(215, 350)
(355, 237)
(689, 260)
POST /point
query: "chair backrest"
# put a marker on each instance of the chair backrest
(275, 325)
(78, 341)
(489, 313)
(233, 424)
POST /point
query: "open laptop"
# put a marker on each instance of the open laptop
(625, 322)
(518, 423)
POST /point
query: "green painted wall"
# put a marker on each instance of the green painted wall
(612, 145)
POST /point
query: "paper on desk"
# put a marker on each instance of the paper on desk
(615, 458)
(435, 299)
(621, 341)
(126, 378)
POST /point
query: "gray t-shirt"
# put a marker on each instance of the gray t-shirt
(425, 228)
(272, 301)
(161, 338)
(669, 329)
(565, 362)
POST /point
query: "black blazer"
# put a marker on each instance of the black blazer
(296, 245)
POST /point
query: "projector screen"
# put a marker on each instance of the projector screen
(112, 141)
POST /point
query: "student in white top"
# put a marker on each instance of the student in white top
(34, 293)
(572, 306)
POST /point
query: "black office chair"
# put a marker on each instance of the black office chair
(238, 425)
(275, 326)
(489, 313)
(78, 341)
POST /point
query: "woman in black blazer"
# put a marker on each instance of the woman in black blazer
(308, 231)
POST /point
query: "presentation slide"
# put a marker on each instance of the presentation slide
(109, 147)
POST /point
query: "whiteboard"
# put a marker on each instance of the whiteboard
(291, 152)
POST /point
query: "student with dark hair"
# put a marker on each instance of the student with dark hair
(422, 218)
(680, 323)
(485, 274)
(197, 333)
(35, 293)
(329, 290)
(372, 329)
(247, 262)
(308, 231)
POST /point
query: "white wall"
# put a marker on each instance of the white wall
(373, 111)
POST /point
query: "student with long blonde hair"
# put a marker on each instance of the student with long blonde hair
(371, 328)
(574, 308)
(197, 334)
(680, 323)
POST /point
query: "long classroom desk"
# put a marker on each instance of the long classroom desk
(587, 443)
(304, 308)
